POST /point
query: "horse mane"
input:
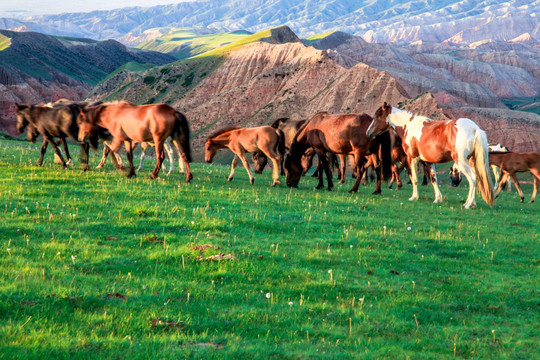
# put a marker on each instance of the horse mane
(222, 131)
(406, 116)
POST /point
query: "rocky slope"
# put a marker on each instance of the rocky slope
(38, 68)
(262, 81)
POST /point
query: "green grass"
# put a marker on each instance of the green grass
(89, 260)
(185, 43)
(239, 43)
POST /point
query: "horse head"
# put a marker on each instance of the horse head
(307, 160)
(455, 176)
(380, 121)
(259, 161)
(85, 121)
(293, 166)
(210, 150)
(22, 113)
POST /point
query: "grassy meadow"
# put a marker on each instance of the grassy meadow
(95, 265)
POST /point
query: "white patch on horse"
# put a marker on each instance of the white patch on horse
(413, 124)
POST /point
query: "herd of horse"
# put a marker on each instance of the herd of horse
(390, 141)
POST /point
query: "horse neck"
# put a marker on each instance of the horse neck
(221, 140)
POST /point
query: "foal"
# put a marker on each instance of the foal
(511, 163)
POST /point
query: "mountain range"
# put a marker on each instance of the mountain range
(381, 21)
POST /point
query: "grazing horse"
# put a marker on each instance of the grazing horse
(129, 124)
(512, 162)
(53, 122)
(455, 175)
(338, 134)
(240, 141)
(439, 142)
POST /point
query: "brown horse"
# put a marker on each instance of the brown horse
(439, 142)
(512, 162)
(338, 134)
(289, 128)
(245, 140)
(131, 124)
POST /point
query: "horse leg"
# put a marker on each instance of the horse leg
(414, 178)
(129, 152)
(144, 146)
(536, 174)
(518, 187)
(465, 169)
(86, 148)
(398, 176)
(427, 171)
(274, 157)
(433, 177)
(360, 161)
(234, 163)
(343, 164)
(182, 157)
(324, 166)
(68, 157)
(160, 156)
(502, 181)
(170, 154)
(106, 151)
(378, 173)
(43, 150)
(242, 157)
(56, 150)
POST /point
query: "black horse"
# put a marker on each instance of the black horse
(59, 121)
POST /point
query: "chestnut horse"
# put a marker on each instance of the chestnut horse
(439, 142)
(338, 134)
(270, 141)
(131, 124)
(512, 162)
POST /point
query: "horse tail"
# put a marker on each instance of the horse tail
(385, 142)
(181, 132)
(481, 167)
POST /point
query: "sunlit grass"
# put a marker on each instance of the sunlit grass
(97, 265)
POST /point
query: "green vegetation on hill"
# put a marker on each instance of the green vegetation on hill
(5, 42)
(529, 104)
(317, 37)
(134, 67)
(166, 83)
(185, 43)
(95, 265)
(237, 44)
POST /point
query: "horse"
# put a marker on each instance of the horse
(289, 128)
(455, 175)
(338, 134)
(512, 162)
(53, 122)
(240, 141)
(439, 142)
(129, 123)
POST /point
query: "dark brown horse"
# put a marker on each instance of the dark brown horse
(245, 140)
(511, 163)
(53, 122)
(131, 124)
(438, 142)
(338, 134)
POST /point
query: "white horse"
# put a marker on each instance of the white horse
(435, 142)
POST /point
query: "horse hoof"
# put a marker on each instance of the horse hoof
(376, 192)
(352, 191)
(189, 178)
(413, 198)
(251, 181)
(522, 199)
(230, 178)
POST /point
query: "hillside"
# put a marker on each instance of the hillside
(38, 68)
(376, 21)
(260, 81)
